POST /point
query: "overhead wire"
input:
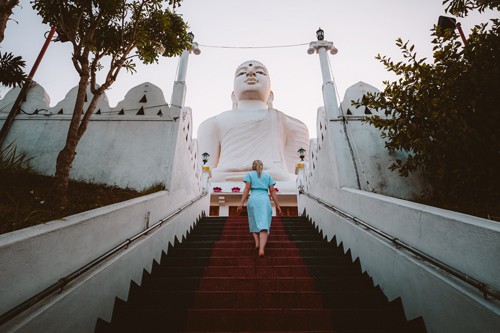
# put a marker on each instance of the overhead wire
(252, 47)
(223, 47)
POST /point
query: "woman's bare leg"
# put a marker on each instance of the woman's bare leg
(262, 242)
(256, 239)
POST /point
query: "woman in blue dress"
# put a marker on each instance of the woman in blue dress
(260, 184)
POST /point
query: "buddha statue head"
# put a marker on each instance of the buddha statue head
(252, 83)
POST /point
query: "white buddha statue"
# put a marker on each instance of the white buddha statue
(252, 130)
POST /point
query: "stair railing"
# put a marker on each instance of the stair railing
(61, 283)
(485, 289)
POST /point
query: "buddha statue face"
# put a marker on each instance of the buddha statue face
(251, 82)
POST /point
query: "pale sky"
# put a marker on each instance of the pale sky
(360, 29)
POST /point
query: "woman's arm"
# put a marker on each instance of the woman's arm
(244, 197)
(275, 199)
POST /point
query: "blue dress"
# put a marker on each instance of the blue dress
(259, 204)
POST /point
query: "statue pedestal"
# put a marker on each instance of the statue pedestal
(223, 200)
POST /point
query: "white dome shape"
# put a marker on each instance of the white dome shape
(67, 105)
(146, 99)
(355, 93)
(37, 100)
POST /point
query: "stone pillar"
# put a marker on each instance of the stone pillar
(329, 93)
(299, 171)
(205, 180)
(179, 91)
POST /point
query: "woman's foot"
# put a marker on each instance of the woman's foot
(261, 253)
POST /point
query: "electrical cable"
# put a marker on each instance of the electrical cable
(359, 160)
(354, 152)
(346, 130)
(252, 47)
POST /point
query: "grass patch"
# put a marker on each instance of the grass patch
(26, 198)
(10, 159)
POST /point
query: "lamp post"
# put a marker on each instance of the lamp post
(321, 47)
(299, 170)
(206, 172)
(179, 92)
(446, 22)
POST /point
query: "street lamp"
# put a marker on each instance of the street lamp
(302, 154)
(205, 156)
(446, 22)
(320, 34)
(190, 36)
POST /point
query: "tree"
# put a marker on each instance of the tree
(446, 114)
(6, 7)
(462, 7)
(115, 32)
(11, 66)
(11, 70)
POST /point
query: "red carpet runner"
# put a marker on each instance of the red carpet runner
(214, 281)
(239, 291)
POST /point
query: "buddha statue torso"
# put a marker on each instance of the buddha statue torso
(252, 131)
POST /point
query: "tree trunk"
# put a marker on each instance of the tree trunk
(5, 13)
(67, 154)
(76, 130)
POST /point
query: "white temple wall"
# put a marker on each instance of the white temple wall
(131, 145)
(353, 154)
(184, 163)
(373, 161)
(36, 257)
(466, 243)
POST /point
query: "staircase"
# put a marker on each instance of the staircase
(214, 281)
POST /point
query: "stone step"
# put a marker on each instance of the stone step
(213, 281)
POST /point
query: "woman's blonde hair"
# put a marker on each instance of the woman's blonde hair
(257, 165)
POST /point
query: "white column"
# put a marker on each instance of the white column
(325, 68)
(299, 171)
(329, 92)
(183, 62)
(206, 175)
(179, 91)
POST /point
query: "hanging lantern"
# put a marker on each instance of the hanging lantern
(320, 34)
(205, 156)
(302, 154)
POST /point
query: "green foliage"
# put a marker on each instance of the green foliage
(116, 32)
(462, 7)
(11, 70)
(446, 114)
(12, 161)
(112, 35)
(156, 187)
